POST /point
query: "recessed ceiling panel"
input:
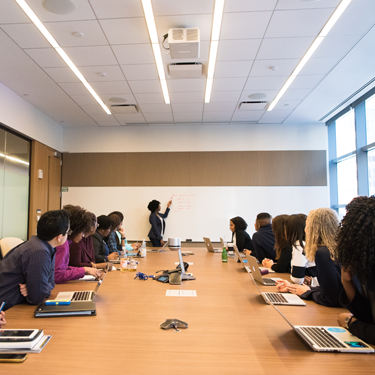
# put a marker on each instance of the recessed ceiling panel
(247, 115)
(134, 54)
(187, 116)
(142, 87)
(220, 107)
(26, 36)
(187, 107)
(228, 84)
(117, 8)
(61, 75)
(117, 87)
(46, 57)
(188, 97)
(227, 69)
(245, 49)
(273, 68)
(217, 116)
(140, 72)
(155, 108)
(102, 73)
(158, 117)
(89, 56)
(186, 85)
(249, 5)
(225, 96)
(178, 7)
(156, 98)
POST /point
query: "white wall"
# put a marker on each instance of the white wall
(21, 116)
(197, 138)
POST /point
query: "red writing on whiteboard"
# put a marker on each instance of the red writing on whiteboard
(182, 202)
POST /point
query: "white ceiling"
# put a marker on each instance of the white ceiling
(255, 36)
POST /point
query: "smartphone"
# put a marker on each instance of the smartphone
(21, 334)
(18, 358)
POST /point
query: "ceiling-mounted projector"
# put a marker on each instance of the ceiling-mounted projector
(184, 43)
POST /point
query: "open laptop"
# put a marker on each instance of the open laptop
(244, 261)
(81, 296)
(274, 298)
(158, 250)
(329, 338)
(253, 265)
(209, 246)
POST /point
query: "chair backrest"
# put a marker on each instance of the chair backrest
(8, 243)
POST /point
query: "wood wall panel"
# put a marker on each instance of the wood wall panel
(228, 168)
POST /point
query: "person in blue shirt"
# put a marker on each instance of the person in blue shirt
(157, 222)
(27, 272)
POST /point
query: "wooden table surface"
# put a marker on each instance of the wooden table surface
(231, 329)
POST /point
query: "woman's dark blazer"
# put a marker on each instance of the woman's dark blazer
(155, 231)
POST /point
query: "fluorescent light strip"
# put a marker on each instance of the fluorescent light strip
(14, 159)
(25, 7)
(150, 20)
(319, 39)
(216, 27)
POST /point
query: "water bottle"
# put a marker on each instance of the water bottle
(132, 266)
(143, 251)
(123, 261)
(224, 254)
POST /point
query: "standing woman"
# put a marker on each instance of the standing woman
(283, 249)
(356, 254)
(240, 237)
(157, 222)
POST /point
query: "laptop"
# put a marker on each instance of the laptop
(273, 298)
(81, 296)
(253, 265)
(158, 250)
(329, 338)
(209, 246)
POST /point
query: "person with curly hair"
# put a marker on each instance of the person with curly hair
(282, 248)
(321, 229)
(157, 222)
(356, 254)
(80, 224)
(240, 237)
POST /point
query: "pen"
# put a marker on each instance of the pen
(2, 306)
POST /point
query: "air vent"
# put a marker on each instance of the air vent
(124, 108)
(178, 34)
(184, 43)
(185, 70)
(252, 106)
(192, 35)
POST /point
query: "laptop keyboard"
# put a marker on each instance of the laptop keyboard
(276, 298)
(81, 296)
(321, 337)
(268, 281)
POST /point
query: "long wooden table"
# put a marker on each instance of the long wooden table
(231, 329)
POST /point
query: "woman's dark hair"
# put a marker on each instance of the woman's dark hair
(239, 223)
(91, 218)
(79, 220)
(356, 239)
(116, 220)
(278, 228)
(153, 205)
(295, 229)
(118, 213)
(52, 223)
(104, 222)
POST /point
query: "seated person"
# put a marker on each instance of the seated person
(113, 241)
(356, 254)
(82, 253)
(240, 238)
(27, 272)
(283, 249)
(263, 238)
(100, 247)
(79, 224)
(2, 319)
(321, 230)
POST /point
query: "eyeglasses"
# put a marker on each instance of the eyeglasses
(69, 232)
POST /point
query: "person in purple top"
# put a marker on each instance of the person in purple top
(80, 223)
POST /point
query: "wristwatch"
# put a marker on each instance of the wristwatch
(348, 320)
(123, 238)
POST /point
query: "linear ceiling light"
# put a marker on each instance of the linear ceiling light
(35, 20)
(150, 20)
(215, 34)
(315, 44)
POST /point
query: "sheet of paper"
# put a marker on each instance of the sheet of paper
(181, 293)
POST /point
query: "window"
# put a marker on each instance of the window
(370, 119)
(345, 134)
(347, 180)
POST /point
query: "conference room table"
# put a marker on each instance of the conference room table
(231, 329)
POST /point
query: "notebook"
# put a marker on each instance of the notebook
(209, 246)
(279, 298)
(329, 338)
(81, 296)
(87, 308)
(253, 265)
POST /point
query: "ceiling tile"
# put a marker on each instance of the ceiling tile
(249, 5)
(117, 8)
(10, 12)
(187, 107)
(142, 87)
(95, 73)
(61, 74)
(297, 4)
(228, 69)
(270, 95)
(228, 84)
(134, 54)
(113, 122)
(188, 97)
(46, 57)
(284, 48)
(110, 88)
(89, 56)
(73, 88)
(306, 81)
(186, 85)
(179, 7)
(247, 24)
(140, 72)
(187, 116)
(130, 118)
(220, 107)
(127, 98)
(155, 108)
(158, 117)
(286, 105)
(245, 49)
(275, 117)
(319, 65)
(26, 35)
(247, 115)
(296, 94)
(102, 117)
(225, 96)
(294, 23)
(84, 99)
(150, 98)
(217, 116)
(263, 68)
(126, 30)
(94, 110)
(336, 45)
(265, 83)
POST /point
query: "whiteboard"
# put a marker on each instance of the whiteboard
(196, 212)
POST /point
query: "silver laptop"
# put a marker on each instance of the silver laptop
(253, 265)
(158, 250)
(329, 338)
(209, 246)
(244, 261)
(81, 296)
